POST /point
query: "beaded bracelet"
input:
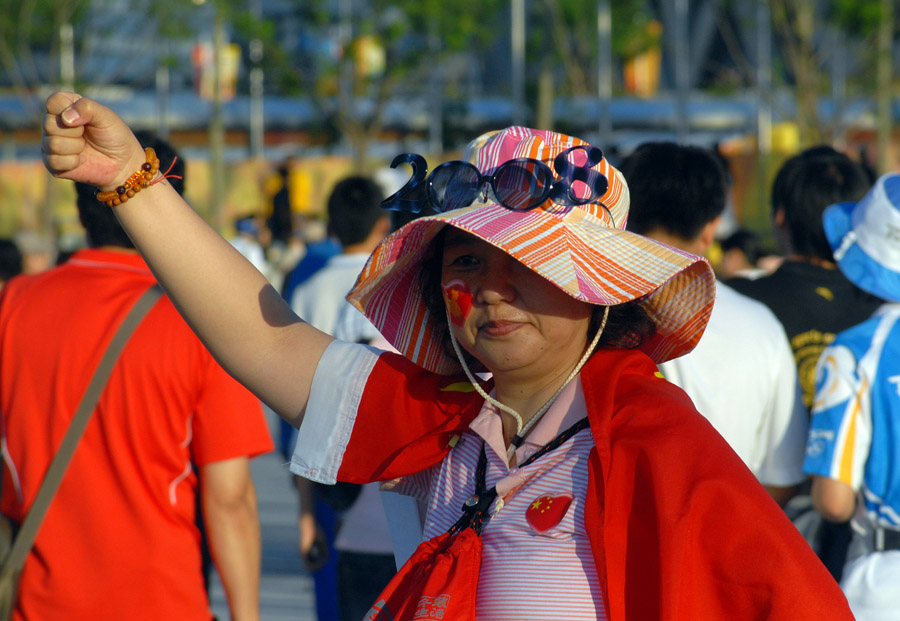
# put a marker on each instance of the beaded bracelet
(134, 184)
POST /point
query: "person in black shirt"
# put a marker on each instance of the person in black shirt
(810, 296)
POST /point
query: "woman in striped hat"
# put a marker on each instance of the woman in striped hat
(598, 490)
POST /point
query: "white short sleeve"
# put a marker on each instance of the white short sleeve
(331, 412)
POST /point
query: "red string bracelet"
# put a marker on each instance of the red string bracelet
(166, 174)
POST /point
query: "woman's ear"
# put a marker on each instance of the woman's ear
(708, 234)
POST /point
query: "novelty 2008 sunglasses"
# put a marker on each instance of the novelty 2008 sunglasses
(519, 184)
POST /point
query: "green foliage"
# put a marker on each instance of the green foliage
(28, 27)
(634, 31)
(172, 18)
(404, 29)
(282, 72)
(563, 34)
(36, 22)
(856, 17)
(462, 25)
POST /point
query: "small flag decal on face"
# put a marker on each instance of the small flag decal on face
(458, 299)
(546, 512)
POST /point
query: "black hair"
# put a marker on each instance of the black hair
(745, 241)
(627, 327)
(805, 185)
(99, 220)
(354, 207)
(676, 188)
(10, 260)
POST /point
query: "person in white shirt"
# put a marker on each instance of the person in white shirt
(365, 560)
(741, 375)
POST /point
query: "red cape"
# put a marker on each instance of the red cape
(680, 529)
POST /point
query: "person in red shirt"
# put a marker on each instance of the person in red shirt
(120, 540)
(529, 275)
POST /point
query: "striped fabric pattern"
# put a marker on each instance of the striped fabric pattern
(524, 575)
(583, 250)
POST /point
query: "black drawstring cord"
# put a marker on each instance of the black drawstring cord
(475, 509)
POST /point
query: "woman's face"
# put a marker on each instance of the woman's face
(507, 316)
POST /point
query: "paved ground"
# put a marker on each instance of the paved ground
(286, 589)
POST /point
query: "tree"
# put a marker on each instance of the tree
(358, 56)
(51, 44)
(885, 37)
(30, 42)
(108, 46)
(564, 45)
(802, 31)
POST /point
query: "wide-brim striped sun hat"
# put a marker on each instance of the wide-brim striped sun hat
(584, 250)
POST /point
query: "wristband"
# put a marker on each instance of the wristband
(134, 184)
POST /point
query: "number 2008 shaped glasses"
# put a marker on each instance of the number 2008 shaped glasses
(519, 184)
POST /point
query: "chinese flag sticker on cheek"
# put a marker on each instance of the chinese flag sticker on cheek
(458, 298)
(546, 512)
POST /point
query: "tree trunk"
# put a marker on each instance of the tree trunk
(795, 22)
(546, 96)
(217, 128)
(884, 72)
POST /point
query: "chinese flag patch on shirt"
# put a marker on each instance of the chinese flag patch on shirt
(546, 512)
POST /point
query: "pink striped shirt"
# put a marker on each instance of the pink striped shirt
(525, 574)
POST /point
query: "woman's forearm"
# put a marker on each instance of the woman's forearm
(231, 306)
(243, 321)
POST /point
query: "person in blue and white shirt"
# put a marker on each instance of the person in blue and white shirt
(853, 448)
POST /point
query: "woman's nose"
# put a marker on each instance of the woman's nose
(497, 284)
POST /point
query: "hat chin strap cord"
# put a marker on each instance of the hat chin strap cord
(523, 429)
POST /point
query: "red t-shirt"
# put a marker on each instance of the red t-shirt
(119, 540)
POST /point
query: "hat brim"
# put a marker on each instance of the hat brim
(571, 248)
(856, 264)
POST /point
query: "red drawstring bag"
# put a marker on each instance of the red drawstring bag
(438, 582)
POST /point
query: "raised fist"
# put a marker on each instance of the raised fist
(85, 141)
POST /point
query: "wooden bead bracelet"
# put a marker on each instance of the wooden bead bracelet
(134, 184)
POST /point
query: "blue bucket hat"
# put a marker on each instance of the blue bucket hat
(865, 238)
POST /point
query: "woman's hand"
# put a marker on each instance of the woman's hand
(85, 141)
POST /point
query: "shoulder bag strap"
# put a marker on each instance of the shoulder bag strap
(27, 533)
